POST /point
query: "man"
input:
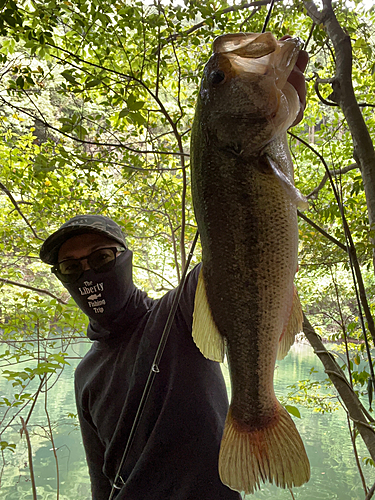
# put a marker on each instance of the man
(175, 451)
(174, 454)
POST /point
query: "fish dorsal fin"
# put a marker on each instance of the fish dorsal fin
(205, 333)
(295, 195)
(291, 329)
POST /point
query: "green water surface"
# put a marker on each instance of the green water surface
(333, 471)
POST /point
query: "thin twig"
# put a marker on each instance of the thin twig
(355, 451)
(321, 231)
(92, 143)
(42, 380)
(53, 444)
(30, 458)
(196, 27)
(342, 325)
(157, 274)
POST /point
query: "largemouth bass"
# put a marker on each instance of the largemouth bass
(246, 305)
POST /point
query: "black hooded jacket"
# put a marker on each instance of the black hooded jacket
(174, 455)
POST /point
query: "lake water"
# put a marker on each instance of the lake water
(333, 471)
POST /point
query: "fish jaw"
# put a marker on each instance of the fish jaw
(245, 84)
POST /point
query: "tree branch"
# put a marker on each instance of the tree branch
(322, 231)
(356, 411)
(93, 143)
(156, 274)
(321, 98)
(16, 206)
(333, 103)
(33, 288)
(370, 493)
(199, 25)
(340, 171)
(30, 458)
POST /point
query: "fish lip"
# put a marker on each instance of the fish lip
(253, 54)
(252, 45)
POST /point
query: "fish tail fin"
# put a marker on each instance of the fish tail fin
(274, 453)
(205, 333)
(294, 326)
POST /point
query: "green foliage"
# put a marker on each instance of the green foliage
(311, 394)
(4, 445)
(97, 100)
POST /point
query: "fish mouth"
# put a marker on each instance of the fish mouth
(254, 54)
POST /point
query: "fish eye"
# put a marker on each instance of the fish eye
(217, 77)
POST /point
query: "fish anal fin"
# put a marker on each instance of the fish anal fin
(205, 333)
(274, 454)
(294, 326)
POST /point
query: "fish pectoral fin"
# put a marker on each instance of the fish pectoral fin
(205, 333)
(294, 326)
(295, 195)
(273, 453)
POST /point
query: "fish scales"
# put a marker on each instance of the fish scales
(245, 205)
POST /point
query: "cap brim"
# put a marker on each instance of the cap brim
(50, 248)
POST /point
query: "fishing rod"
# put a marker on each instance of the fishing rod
(154, 370)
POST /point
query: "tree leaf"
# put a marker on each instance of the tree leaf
(68, 76)
(293, 410)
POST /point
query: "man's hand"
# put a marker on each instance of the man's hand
(297, 79)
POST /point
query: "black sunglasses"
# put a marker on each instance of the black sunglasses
(100, 261)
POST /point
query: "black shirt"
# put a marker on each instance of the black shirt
(174, 455)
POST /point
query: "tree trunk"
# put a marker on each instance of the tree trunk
(343, 95)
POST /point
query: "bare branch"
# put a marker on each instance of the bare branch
(321, 98)
(156, 274)
(333, 103)
(370, 493)
(30, 458)
(310, 36)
